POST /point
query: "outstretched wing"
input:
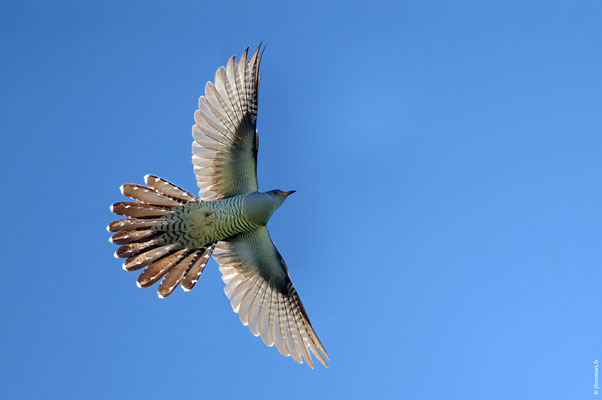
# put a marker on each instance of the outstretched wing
(225, 143)
(261, 292)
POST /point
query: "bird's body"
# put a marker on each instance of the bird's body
(172, 233)
(199, 224)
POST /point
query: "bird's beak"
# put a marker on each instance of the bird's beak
(289, 193)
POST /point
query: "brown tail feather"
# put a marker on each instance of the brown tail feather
(124, 237)
(128, 250)
(138, 210)
(148, 196)
(176, 274)
(131, 224)
(156, 270)
(193, 274)
(143, 259)
(168, 189)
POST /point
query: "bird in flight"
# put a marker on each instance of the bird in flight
(171, 234)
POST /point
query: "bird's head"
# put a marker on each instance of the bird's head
(261, 205)
(277, 196)
(280, 193)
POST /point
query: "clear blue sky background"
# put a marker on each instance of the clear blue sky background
(445, 237)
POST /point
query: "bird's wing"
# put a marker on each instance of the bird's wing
(261, 292)
(225, 143)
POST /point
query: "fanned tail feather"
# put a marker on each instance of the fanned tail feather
(195, 271)
(139, 235)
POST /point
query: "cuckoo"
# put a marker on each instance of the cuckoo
(170, 234)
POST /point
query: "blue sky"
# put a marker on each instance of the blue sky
(445, 236)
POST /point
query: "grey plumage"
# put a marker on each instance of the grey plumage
(172, 233)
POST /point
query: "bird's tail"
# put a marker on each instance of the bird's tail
(140, 236)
